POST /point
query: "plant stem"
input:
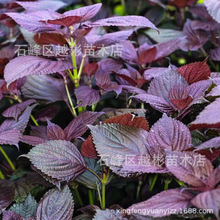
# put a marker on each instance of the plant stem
(7, 158)
(153, 182)
(139, 189)
(78, 197)
(80, 70)
(99, 195)
(103, 191)
(167, 182)
(95, 174)
(69, 97)
(91, 201)
(1, 175)
(34, 120)
(180, 182)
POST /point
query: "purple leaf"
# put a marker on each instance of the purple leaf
(48, 112)
(129, 53)
(213, 8)
(42, 5)
(170, 199)
(78, 126)
(213, 178)
(55, 132)
(199, 88)
(133, 89)
(10, 215)
(189, 167)
(109, 65)
(56, 204)
(112, 38)
(208, 200)
(156, 102)
(115, 142)
(215, 54)
(15, 110)
(207, 25)
(107, 214)
(170, 134)
(212, 143)
(31, 21)
(6, 197)
(194, 38)
(86, 96)
(179, 96)
(58, 159)
(123, 21)
(31, 140)
(161, 85)
(86, 12)
(208, 118)
(44, 87)
(10, 137)
(153, 72)
(32, 65)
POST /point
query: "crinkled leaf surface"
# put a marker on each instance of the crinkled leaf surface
(172, 199)
(169, 133)
(212, 143)
(195, 72)
(113, 142)
(33, 65)
(56, 204)
(58, 159)
(55, 132)
(78, 126)
(15, 110)
(213, 7)
(123, 21)
(6, 196)
(86, 96)
(44, 87)
(208, 200)
(187, 167)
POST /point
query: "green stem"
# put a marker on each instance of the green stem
(91, 201)
(153, 182)
(180, 182)
(34, 120)
(95, 174)
(99, 195)
(166, 185)
(1, 175)
(80, 70)
(69, 98)
(7, 158)
(139, 189)
(103, 191)
(78, 197)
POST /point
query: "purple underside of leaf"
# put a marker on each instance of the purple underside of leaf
(212, 143)
(169, 133)
(31, 140)
(31, 21)
(153, 72)
(35, 6)
(56, 204)
(208, 118)
(6, 197)
(123, 21)
(156, 102)
(10, 215)
(86, 12)
(10, 137)
(215, 91)
(170, 199)
(112, 38)
(58, 159)
(115, 142)
(44, 87)
(32, 65)
(208, 200)
(78, 126)
(213, 8)
(15, 110)
(86, 96)
(215, 54)
(55, 132)
(188, 168)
